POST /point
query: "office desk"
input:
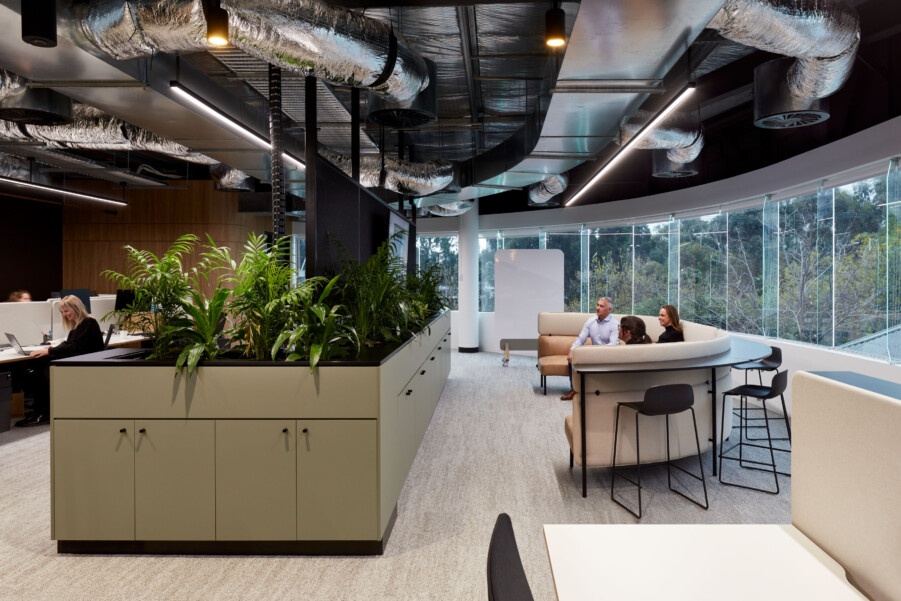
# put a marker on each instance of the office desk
(692, 563)
(740, 351)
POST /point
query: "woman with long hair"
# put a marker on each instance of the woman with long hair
(633, 331)
(84, 337)
(669, 319)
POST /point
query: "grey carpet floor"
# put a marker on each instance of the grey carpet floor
(495, 444)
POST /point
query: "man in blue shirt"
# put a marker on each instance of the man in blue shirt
(602, 329)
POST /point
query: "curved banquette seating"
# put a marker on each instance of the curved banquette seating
(604, 391)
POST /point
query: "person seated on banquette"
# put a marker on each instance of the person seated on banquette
(633, 331)
(601, 329)
(669, 319)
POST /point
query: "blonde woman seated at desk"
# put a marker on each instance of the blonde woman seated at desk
(633, 331)
(84, 337)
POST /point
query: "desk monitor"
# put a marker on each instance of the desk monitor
(83, 294)
(124, 298)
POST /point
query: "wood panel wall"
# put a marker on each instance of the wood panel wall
(153, 220)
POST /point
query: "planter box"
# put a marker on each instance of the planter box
(242, 457)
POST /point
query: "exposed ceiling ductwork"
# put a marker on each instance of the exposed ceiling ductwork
(682, 142)
(451, 209)
(303, 36)
(822, 35)
(542, 192)
(14, 167)
(415, 179)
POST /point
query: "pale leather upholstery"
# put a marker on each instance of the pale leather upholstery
(846, 457)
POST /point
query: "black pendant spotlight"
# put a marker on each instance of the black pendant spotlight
(555, 26)
(39, 23)
(216, 23)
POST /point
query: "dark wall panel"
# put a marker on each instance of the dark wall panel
(31, 247)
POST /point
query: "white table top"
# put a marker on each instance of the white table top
(691, 563)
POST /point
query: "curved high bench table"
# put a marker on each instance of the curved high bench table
(606, 376)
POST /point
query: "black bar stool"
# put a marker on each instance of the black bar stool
(666, 400)
(763, 394)
(771, 363)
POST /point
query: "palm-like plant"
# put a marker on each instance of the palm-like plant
(161, 285)
(322, 332)
(426, 298)
(201, 327)
(262, 288)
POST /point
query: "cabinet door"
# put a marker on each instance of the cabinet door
(256, 480)
(175, 480)
(93, 479)
(423, 387)
(337, 480)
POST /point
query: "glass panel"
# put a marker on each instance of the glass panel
(570, 244)
(745, 266)
(441, 250)
(610, 260)
(673, 263)
(650, 268)
(770, 287)
(860, 274)
(893, 261)
(801, 281)
(487, 247)
(703, 282)
(298, 258)
(511, 240)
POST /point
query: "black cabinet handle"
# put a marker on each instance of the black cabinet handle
(439, 348)
(422, 373)
(305, 431)
(143, 431)
(121, 430)
(431, 358)
(409, 392)
(285, 430)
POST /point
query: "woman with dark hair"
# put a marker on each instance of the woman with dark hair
(84, 337)
(633, 331)
(669, 319)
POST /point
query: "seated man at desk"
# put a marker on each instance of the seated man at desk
(84, 337)
(602, 329)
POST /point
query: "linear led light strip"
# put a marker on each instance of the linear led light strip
(245, 132)
(62, 192)
(685, 93)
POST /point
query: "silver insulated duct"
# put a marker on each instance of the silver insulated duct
(822, 35)
(414, 179)
(682, 140)
(22, 104)
(542, 192)
(451, 209)
(303, 36)
(14, 167)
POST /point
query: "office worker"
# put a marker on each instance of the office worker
(602, 329)
(19, 296)
(633, 331)
(669, 319)
(84, 337)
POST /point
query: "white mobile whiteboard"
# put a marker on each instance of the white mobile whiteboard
(526, 282)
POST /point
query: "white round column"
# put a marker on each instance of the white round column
(467, 325)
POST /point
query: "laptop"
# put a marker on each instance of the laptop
(26, 350)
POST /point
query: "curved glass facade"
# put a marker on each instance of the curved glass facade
(822, 268)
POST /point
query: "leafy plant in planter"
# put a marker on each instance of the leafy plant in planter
(160, 285)
(261, 296)
(426, 298)
(322, 332)
(375, 294)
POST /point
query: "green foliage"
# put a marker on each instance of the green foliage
(161, 288)
(322, 331)
(425, 295)
(262, 291)
(200, 328)
(376, 295)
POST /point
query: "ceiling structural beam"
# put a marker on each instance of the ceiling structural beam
(468, 42)
(605, 90)
(505, 78)
(581, 156)
(86, 83)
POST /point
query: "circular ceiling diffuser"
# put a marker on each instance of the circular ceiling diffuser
(791, 119)
(32, 116)
(37, 106)
(674, 173)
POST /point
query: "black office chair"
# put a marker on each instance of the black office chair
(109, 334)
(763, 394)
(506, 577)
(666, 400)
(771, 363)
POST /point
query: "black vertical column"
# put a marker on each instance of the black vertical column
(310, 155)
(355, 133)
(275, 138)
(400, 157)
